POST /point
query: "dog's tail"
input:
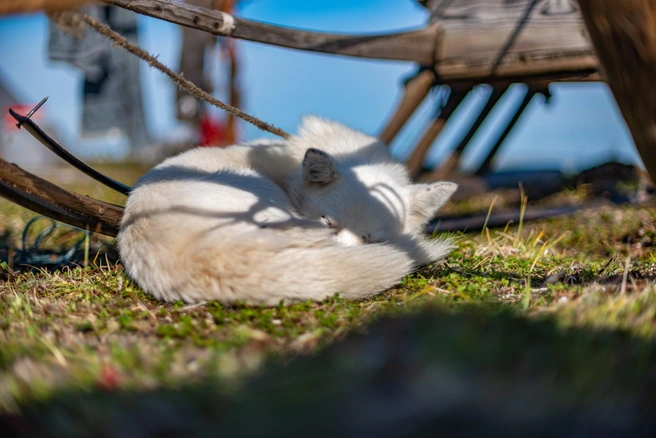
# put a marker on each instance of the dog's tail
(266, 267)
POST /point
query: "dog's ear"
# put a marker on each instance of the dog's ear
(319, 169)
(427, 199)
(315, 124)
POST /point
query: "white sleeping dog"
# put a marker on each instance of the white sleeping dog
(328, 211)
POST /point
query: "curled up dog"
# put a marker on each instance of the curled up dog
(327, 211)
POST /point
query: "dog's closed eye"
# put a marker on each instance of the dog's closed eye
(372, 239)
(327, 221)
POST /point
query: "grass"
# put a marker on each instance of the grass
(89, 328)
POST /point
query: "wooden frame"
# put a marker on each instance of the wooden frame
(541, 41)
(624, 37)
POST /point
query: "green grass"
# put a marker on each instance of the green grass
(89, 327)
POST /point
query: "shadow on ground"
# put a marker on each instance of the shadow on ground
(436, 373)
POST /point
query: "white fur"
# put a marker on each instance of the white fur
(273, 221)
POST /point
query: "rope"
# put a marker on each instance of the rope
(35, 256)
(178, 79)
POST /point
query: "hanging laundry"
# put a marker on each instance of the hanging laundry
(212, 131)
(112, 88)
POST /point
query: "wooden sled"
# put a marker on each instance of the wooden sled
(465, 43)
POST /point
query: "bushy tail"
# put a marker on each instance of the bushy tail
(271, 266)
(297, 268)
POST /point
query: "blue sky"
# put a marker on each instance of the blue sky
(580, 127)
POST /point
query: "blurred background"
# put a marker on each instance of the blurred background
(579, 128)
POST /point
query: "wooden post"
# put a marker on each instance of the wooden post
(449, 166)
(623, 34)
(487, 162)
(415, 91)
(417, 45)
(415, 163)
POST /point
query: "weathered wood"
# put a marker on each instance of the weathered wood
(486, 165)
(24, 6)
(41, 196)
(463, 42)
(418, 46)
(498, 220)
(624, 37)
(414, 93)
(534, 80)
(415, 163)
(448, 168)
(550, 38)
(468, 36)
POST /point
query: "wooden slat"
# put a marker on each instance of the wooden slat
(468, 36)
(415, 163)
(414, 93)
(418, 46)
(463, 41)
(475, 32)
(448, 167)
(535, 80)
(486, 165)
